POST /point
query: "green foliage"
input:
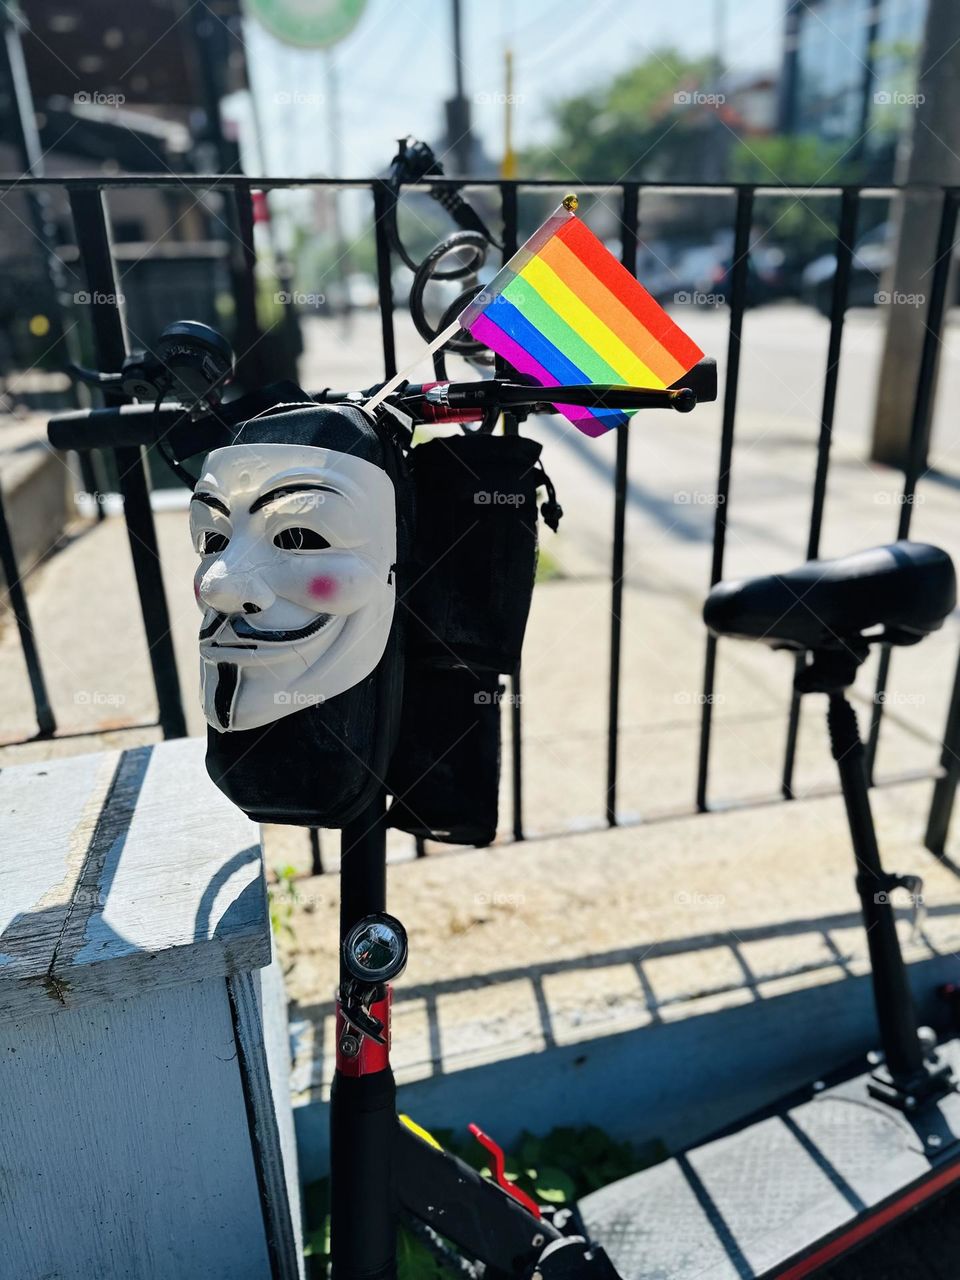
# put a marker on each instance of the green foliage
(631, 126)
(283, 898)
(805, 222)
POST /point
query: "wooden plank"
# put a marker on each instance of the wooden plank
(124, 1148)
(273, 1154)
(123, 869)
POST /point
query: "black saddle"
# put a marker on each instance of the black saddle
(906, 588)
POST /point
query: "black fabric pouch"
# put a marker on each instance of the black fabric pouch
(322, 765)
(476, 549)
(445, 772)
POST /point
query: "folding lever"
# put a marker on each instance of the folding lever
(914, 886)
(499, 1171)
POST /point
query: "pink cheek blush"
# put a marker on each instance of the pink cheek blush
(196, 590)
(322, 587)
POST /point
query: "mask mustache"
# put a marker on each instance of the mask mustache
(212, 627)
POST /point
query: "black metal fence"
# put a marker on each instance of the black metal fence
(86, 200)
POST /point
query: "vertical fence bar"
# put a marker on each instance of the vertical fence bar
(252, 370)
(508, 219)
(381, 211)
(629, 217)
(316, 852)
(846, 233)
(945, 788)
(93, 240)
(920, 425)
(738, 298)
(46, 724)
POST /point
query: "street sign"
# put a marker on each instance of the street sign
(309, 24)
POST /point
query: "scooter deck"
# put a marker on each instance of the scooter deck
(785, 1195)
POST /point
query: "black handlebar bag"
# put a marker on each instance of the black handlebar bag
(445, 772)
(303, 525)
(476, 549)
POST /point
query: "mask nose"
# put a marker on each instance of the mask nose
(234, 590)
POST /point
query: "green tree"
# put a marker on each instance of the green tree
(638, 125)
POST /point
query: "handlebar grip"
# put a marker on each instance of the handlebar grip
(118, 427)
(701, 379)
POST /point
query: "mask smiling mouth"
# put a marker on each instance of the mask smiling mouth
(249, 637)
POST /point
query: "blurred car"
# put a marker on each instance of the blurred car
(872, 255)
(767, 278)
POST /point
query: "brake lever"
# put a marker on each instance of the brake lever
(93, 377)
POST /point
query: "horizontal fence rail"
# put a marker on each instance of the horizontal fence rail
(98, 263)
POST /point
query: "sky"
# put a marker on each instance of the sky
(395, 69)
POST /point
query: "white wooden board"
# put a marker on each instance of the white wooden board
(119, 870)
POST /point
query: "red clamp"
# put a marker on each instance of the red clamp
(499, 1171)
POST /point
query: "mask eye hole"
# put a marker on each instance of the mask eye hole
(300, 539)
(211, 543)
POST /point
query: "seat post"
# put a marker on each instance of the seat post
(909, 1071)
(894, 1001)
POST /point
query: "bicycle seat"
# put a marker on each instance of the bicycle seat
(906, 588)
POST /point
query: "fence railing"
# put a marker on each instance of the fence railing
(86, 202)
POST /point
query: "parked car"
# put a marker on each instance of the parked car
(872, 255)
(767, 278)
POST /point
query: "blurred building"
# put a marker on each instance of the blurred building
(849, 73)
(110, 87)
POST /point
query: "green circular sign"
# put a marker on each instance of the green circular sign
(309, 24)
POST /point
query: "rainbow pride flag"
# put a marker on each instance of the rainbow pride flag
(563, 310)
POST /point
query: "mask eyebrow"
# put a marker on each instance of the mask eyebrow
(209, 500)
(284, 489)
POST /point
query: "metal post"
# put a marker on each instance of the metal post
(18, 601)
(905, 1075)
(738, 300)
(93, 240)
(629, 215)
(511, 427)
(846, 233)
(920, 424)
(945, 789)
(363, 1124)
(381, 208)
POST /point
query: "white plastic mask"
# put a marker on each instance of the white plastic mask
(297, 546)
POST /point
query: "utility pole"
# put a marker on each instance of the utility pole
(929, 158)
(508, 165)
(459, 139)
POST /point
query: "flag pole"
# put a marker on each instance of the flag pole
(394, 382)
